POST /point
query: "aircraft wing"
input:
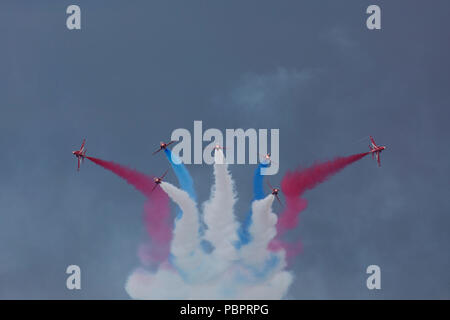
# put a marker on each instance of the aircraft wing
(82, 144)
(278, 199)
(373, 142)
(157, 151)
(78, 164)
(164, 174)
(379, 158)
(173, 141)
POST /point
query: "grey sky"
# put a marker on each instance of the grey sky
(138, 70)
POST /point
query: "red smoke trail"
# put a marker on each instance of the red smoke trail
(156, 211)
(140, 181)
(294, 185)
(156, 219)
(292, 249)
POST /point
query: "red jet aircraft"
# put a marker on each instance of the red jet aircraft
(374, 149)
(80, 154)
(159, 180)
(217, 147)
(163, 146)
(275, 192)
(267, 158)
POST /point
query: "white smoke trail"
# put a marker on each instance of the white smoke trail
(185, 235)
(185, 250)
(262, 231)
(162, 284)
(218, 211)
(275, 287)
(252, 272)
(168, 284)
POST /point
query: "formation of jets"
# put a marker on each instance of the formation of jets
(80, 154)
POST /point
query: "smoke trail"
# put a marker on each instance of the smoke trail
(262, 231)
(167, 284)
(183, 176)
(258, 182)
(156, 211)
(294, 185)
(258, 194)
(292, 249)
(159, 228)
(275, 287)
(226, 272)
(185, 240)
(254, 271)
(140, 181)
(218, 211)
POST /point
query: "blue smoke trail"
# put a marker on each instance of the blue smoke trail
(258, 183)
(258, 194)
(183, 176)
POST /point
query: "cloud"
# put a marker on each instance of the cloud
(256, 92)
